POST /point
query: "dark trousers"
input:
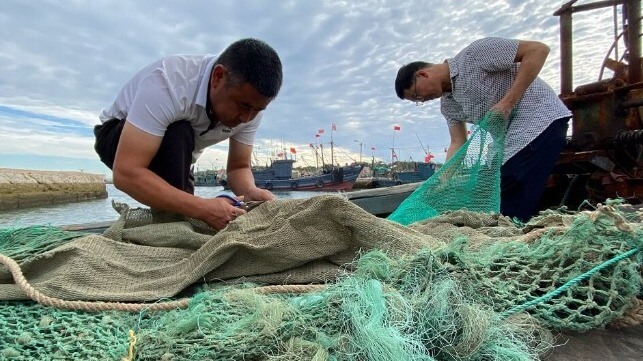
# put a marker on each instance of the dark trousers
(524, 176)
(172, 161)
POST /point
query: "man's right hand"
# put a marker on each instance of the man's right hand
(218, 212)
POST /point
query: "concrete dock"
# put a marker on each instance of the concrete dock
(21, 188)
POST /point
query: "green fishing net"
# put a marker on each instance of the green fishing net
(405, 309)
(453, 303)
(469, 180)
(461, 282)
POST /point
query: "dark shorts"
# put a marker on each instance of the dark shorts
(524, 176)
(172, 161)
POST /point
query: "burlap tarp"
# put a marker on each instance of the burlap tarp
(146, 256)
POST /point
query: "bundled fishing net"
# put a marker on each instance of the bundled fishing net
(469, 180)
(460, 283)
(405, 309)
(455, 287)
(371, 315)
(572, 272)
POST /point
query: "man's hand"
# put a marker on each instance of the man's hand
(218, 212)
(240, 178)
(502, 109)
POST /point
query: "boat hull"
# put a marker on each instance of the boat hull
(344, 180)
(337, 179)
(422, 172)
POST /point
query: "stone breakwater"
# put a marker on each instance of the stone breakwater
(28, 188)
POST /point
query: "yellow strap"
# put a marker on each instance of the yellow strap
(132, 342)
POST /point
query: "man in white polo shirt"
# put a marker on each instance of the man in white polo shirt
(174, 108)
(501, 76)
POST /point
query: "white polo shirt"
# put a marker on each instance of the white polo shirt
(171, 89)
(481, 75)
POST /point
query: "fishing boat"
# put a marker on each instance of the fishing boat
(279, 176)
(206, 179)
(421, 173)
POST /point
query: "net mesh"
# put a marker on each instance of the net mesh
(452, 285)
(34, 332)
(505, 272)
(451, 302)
(469, 180)
(378, 313)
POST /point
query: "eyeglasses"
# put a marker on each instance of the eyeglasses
(415, 97)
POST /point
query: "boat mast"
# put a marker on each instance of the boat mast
(426, 150)
(321, 150)
(321, 145)
(396, 127)
(316, 159)
(332, 155)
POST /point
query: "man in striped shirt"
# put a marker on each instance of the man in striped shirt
(500, 76)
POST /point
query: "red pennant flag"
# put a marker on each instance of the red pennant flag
(396, 127)
(293, 150)
(320, 131)
(333, 127)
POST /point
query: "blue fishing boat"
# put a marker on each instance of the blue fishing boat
(421, 173)
(279, 176)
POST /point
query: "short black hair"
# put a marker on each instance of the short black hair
(255, 62)
(405, 76)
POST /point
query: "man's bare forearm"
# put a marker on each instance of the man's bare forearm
(241, 181)
(531, 63)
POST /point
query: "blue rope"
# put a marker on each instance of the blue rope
(546, 297)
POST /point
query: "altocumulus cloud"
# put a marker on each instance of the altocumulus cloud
(62, 62)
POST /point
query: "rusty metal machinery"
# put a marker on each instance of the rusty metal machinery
(604, 157)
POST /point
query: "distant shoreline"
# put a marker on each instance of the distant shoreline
(23, 188)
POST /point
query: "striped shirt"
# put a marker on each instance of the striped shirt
(481, 75)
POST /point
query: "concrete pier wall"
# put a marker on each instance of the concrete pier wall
(21, 188)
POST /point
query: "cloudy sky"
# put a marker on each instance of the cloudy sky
(62, 62)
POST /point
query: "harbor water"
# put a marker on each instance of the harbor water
(100, 210)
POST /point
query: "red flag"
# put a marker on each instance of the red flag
(320, 131)
(333, 127)
(428, 157)
(293, 150)
(396, 127)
